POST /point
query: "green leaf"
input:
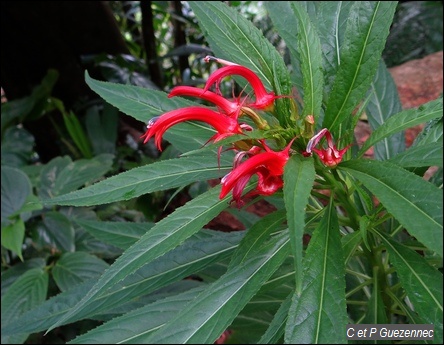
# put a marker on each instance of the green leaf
(102, 128)
(311, 62)
(74, 268)
(119, 234)
(422, 282)
(17, 147)
(235, 38)
(215, 308)
(367, 30)
(77, 133)
(299, 176)
(319, 314)
(376, 313)
(61, 175)
(136, 326)
(259, 233)
(284, 21)
(421, 156)
(161, 175)
(199, 251)
(58, 231)
(331, 25)
(25, 293)
(12, 237)
(11, 274)
(16, 188)
(383, 103)
(403, 120)
(164, 236)
(414, 202)
(276, 328)
(144, 104)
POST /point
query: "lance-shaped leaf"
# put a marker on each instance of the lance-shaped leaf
(367, 29)
(119, 234)
(422, 282)
(135, 327)
(376, 313)
(421, 156)
(414, 202)
(149, 178)
(311, 62)
(164, 236)
(318, 315)
(196, 253)
(276, 328)
(403, 120)
(215, 308)
(383, 103)
(144, 104)
(233, 37)
(299, 176)
(331, 24)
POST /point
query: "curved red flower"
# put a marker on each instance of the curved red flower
(268, 165)
(264, 100)
(231, 109)
(223, 124)
(330, 156)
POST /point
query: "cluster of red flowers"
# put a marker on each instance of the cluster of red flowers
(261, 160)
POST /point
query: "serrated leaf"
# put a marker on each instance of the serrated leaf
(234, 38)
(383, 103)
(199, 251)
(25, 293)
(376, 313)
(331, 24)
(144, 104)
(136, 326)
(299, 176)
(119, 234)
(12, 237)
(74, 268)
(276, 328)
(414, 202)
(16, 187)
(161, 175)
(311, 62)
(256, 235)
(216, 307)
(61, 175)
(164, 236)
(403, 120)
(318, 314)
(422, 282)
(284, 21)
(367, 30)
(10, 275)
(421, 156)
(58, 231)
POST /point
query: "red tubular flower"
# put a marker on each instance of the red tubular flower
(330, 156)
(231, 109)
(268, 165)
(224, 125)
(264, 99)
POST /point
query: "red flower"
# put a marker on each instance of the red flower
(264, 99)
(330, 156)
(224, 125)
(231, 109)
(268, 165)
